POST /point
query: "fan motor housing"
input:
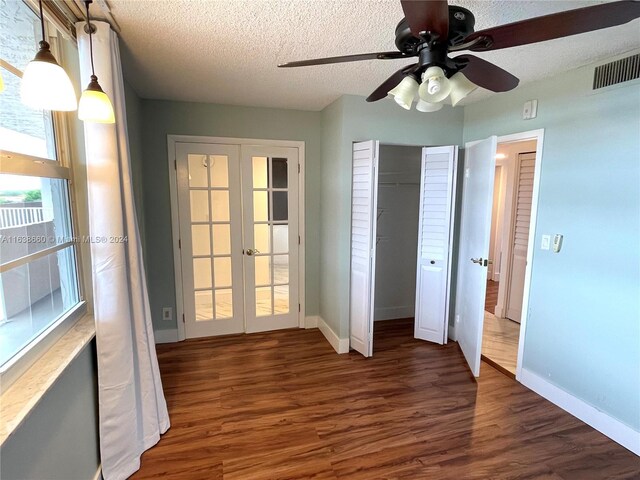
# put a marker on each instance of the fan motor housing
(461, 24)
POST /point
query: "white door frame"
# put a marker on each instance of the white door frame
(172, 140)
(537, 135)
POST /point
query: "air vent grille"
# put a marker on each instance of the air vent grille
(619, 71)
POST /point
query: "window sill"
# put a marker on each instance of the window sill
(17, 402)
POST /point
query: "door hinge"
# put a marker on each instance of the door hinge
(298, 168)
(175, 164)
(299, 308)
(183, 318)
(298, 239)
(179, 244)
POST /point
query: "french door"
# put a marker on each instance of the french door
(238, 214)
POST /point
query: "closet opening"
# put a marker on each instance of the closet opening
(509, 240)
(398, 209)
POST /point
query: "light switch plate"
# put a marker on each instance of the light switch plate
(530, 109)
(546, 241)
(167, 313)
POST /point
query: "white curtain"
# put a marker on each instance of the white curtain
(132, 409)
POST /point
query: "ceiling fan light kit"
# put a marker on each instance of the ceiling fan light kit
(405, 92)
(432, 29)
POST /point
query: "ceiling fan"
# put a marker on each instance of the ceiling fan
(432, 29)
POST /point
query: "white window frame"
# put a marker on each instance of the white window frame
(14, 163)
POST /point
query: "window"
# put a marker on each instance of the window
(39, 288)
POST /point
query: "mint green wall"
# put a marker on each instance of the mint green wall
(351, 119)
(583, 331)
(59, 438)
(160, 118)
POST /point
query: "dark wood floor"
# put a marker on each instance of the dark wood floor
(284, 405)
(491, 298)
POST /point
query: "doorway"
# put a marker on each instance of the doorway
(398, 210)
(496, 249)
(236, 213)
(402, 217)
(509, 239)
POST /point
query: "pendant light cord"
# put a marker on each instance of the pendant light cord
(93, 71)
(41, 19)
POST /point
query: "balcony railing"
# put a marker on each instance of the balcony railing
(20, 216)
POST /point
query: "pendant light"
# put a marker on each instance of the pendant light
(95, 105)
(45, 85)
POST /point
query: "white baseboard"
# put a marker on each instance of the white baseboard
(340, 345)
(604, 423)
(391, 313)
(311, 321)
(98, 475)
(166, 336)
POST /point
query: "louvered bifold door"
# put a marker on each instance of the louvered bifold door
(363, 232)
(437, 187)
(520, 235)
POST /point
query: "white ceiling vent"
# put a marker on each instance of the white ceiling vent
(622, 70)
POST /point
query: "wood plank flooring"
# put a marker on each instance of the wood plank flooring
(284, 405)
(500, 342)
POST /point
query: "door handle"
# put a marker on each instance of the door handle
(477, 260)
(251, 251)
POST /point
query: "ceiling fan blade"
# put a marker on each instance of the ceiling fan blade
(382, 91)
(486, 74)
(427, 16)
(556, 25)
(345, 58)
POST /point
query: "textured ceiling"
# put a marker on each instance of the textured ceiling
(227, 51)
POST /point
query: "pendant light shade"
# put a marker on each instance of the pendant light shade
(95, 105)
(461, 86)
(435, 85)
(45, 85)
(405, 92)
(423, 106)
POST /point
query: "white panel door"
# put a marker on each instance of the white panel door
(211, 238)
(270, 209)
(364, 199)
(475, 233)
(437, 190)
(520, 234)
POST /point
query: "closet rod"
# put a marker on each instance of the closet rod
(397, 184)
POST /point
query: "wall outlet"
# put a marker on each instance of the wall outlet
(546, 241)
(167, 313)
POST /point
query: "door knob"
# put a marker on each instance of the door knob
(477, 260)
(251, 251)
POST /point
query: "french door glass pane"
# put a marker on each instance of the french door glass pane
(260, 206)
(221, 239)
(263, 270)
(260, 176)
(200, 243)
(197, 170)
(263, 302)
(202, 273)
(280, 206)
(199, 206)
(224, 303)
(280, 269)
(280, 238)
(204, 305)
(220, 205)
(281, 299)
(222, 272)
(261, 238)
(279, 172)
(219, 168)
